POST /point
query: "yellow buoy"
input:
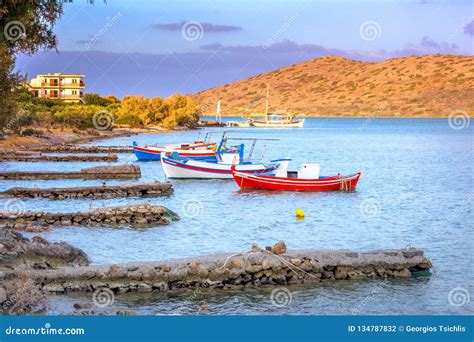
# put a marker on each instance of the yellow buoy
(299, 213)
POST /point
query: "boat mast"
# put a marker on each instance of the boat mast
(266, 103)
(218, 111)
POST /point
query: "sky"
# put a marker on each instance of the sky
(158, 48)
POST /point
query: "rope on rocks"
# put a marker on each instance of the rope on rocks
(259, 250)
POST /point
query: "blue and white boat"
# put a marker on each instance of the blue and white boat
(176, 166)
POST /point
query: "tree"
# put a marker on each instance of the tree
(26, 26)
(183, 111)
(96, 99)
(136, 106)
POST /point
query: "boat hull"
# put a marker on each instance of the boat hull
(333, 183)
(154, 153)
(276, 124)
(187, 168)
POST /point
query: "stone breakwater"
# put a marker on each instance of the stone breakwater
(101, 191)
(64, 158)
(236, 270)
(140, 214)
(18, 252)
(100, 172)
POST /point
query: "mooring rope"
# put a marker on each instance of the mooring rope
(284, 261)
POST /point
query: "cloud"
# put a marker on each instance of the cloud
(469, 28)
(207, 27)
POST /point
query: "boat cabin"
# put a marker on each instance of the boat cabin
(306, 171)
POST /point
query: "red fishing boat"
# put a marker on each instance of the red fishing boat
(306, 179)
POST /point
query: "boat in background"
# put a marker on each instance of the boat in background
(278, 119)
(305, 179)
(195, 151)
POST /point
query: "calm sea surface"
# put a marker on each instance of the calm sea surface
(416, 189)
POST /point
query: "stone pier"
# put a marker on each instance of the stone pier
(100, 172)
(87, 149)
(99, 191)
(139, 214)
(226, 271)
(64, 158)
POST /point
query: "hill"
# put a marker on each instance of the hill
(417, 86)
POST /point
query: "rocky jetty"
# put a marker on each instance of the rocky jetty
(100, 191)
(18, 253)
(99, 172)
(237, 270)
(86, 149)
(64, 158)
(139, 214)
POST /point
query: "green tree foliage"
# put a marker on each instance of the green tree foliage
(96, 99)
(25, 27)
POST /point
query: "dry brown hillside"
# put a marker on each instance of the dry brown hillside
(418, 86)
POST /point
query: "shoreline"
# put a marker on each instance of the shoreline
(343, 117)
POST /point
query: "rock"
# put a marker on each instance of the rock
(306, 266)
(39, 239)
(271, 263)
(279, 248)
(3, 295)
(19, 252)
(53, 288)
(198, 269)
(126, 312)
(355, 275)
(253, 268)
(425, 264)
(327, 275)
(115, 271)
(141, 221)
(405, 273)
(236, 263)
(296, 262)
(79, 306)
(341, 272)
(256, 248)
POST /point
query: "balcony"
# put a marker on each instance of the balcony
(62, 85)
(72, 85)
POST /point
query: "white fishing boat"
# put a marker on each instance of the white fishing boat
(176, 166)
(279, 119)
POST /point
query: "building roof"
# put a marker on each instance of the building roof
(61, 74)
